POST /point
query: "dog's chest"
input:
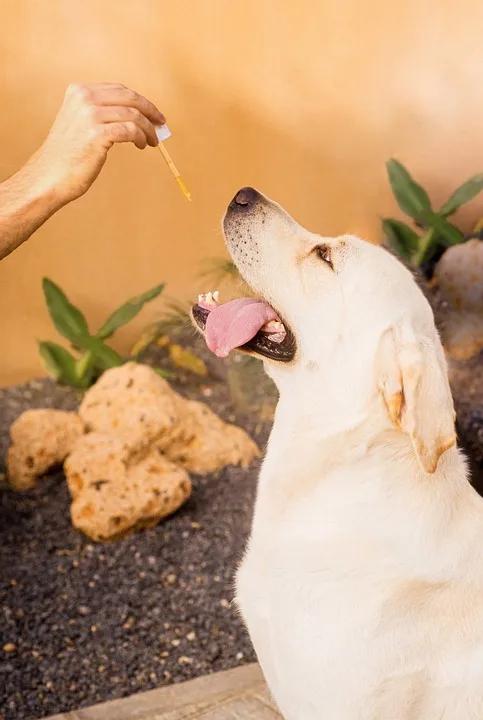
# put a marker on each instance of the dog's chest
(303, 592)
(282, 574)
(308, 628)
(301, 574)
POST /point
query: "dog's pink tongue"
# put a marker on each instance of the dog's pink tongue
(234, 323)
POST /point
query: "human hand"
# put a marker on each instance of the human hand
(92, 118)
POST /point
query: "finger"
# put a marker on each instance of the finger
(120, 113)
(87, 89)
(121, 132)
(83, 91)
(121, 95)
(103, 85)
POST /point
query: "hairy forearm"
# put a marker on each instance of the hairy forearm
(26, 202)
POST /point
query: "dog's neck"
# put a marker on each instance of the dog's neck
(313, 431)
(319, 433)
(314, 409)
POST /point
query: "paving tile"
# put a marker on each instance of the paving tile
(247, 708)
(239, 692)
(264, 696)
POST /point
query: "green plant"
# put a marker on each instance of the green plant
(436, 232)
(93, 355)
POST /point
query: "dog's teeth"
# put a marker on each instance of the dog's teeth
(209, 300)
(278, 337)
(273, 326)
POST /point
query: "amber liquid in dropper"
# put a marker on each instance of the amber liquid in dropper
(175, 171)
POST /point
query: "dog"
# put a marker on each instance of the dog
(362, 582)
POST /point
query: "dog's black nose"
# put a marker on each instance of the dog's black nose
(245, 199)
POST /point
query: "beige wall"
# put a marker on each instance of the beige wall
(305, 100)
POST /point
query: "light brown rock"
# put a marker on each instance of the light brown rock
(41, 439)
(95, 458)
(206, 443)
(128, 452)
(135, 404)
(111, 498)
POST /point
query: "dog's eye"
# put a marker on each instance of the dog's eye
(323, 253)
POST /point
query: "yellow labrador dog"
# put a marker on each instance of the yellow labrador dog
(362, 584)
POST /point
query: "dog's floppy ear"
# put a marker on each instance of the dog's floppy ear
(414, 383)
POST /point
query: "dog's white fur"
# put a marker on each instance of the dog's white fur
(362, 584)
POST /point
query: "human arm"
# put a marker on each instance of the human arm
(92, 119)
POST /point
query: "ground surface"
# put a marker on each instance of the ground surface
(85, 623)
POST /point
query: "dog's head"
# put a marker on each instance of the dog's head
(337, 316)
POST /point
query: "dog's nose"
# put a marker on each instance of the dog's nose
(245, 199)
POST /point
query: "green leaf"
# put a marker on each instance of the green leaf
(462, 195)
(445, 232)
(425, 242)
(68, 320)
(103, 357)
(403, 239)
(59, 363)
(128, 312)
(411, 197)
(84, 368)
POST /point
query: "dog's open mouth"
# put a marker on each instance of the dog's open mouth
(245, 324)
